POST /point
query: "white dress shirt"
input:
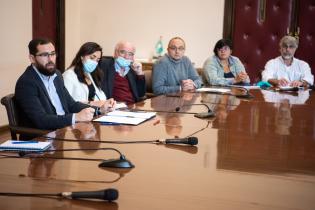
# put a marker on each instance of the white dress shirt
(299, 70)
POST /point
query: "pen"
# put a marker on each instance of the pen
(24, 142)
(109, 123)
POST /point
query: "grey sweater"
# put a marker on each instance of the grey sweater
(168, 74)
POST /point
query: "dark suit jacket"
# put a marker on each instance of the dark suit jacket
(137, 84)
(36, 109)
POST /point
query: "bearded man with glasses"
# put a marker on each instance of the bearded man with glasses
(42, 99)
(286, 70)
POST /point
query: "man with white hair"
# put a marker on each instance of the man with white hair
(123, 77)
(286, 70)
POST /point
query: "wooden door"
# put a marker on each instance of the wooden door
(256, 27)
(305, 29)
(49, 22)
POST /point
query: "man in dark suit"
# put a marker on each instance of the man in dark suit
(123, 77)
(42, 99)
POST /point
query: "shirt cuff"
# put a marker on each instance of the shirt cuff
(73, 119)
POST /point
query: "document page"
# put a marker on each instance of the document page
(214, 90)
(125, 117)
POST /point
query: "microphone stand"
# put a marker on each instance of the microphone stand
(208, 114)
(122, 162)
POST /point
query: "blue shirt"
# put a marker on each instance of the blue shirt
(48, 82)
(214, 72)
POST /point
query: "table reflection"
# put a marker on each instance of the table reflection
(294, 97)
(221, 105)
(283, 119)
(171, 102)
(86, 131)
(173, 125)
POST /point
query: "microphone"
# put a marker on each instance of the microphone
(246, 95)
(121, 162)
(190, 140)
(107, 194)
(210, 113)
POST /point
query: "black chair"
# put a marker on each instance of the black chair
(13, 116)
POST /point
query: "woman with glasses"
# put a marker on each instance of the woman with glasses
(224, 69)
(83, 78)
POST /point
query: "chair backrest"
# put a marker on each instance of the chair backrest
(13, 116)
(9, 102)
(148, 81)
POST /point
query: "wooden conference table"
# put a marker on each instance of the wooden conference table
(256, 153)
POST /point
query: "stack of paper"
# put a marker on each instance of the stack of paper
(214, 90)
(13, 145)
(125, 117)
(248, 87)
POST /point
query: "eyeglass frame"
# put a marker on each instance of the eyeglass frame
(47, 54)
(124, 53)
(288, 46)
(174, 48)
(224, 48)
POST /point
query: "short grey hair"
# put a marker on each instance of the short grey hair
(289, 40)
(122, 44)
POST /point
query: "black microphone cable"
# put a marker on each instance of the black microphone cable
(157, 141)
(122, 162)
(162, 111)
(208, 114)
(99, 141)
(200, 130)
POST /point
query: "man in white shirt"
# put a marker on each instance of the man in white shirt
(286, 70)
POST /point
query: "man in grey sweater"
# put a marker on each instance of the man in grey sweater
(174, 72)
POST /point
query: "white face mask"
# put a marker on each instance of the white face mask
(122, 62)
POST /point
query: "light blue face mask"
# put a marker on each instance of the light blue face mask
(122, 62)
(89, 66)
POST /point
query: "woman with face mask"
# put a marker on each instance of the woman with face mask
(83, 78)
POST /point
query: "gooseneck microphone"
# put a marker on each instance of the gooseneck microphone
(190, 141)
(246, 95)
(210, 113)
(107, 194)
(121, 162)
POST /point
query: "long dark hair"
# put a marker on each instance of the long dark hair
(87, 49)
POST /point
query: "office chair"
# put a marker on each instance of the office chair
(148, 83)
(13, 116)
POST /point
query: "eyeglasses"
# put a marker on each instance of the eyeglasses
(176, 48)
(46, 54)
(124, 53)
(225, 48)
(288, 46)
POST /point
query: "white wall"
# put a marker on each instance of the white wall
(198, 22)
(16, 32)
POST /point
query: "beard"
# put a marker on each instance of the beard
(48, 70)
(287, 56)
